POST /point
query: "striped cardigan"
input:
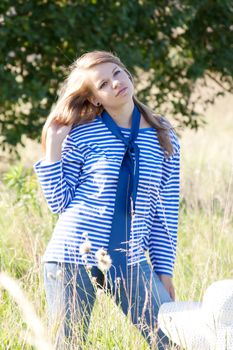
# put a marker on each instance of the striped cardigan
(81, 187)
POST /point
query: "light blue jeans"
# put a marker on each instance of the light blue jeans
(71, 293)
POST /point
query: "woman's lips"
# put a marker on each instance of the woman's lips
(121, 91)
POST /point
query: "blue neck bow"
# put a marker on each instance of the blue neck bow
(125, 195)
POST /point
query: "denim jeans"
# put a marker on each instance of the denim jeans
(71, 293)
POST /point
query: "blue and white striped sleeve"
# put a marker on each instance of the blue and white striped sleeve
(60, 179)
(163, 236)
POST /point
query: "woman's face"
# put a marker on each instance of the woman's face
(106, 81)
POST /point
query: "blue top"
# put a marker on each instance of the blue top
(81, 187)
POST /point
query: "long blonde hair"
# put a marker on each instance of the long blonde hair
(73, 106)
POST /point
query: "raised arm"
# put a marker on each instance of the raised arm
(59, 172)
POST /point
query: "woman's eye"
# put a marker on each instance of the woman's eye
(102, 85)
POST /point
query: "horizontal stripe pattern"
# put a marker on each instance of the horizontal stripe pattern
(81, 187)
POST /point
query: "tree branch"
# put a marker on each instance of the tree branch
(217, 82)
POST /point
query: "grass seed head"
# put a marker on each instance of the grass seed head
(105, 263)
(85, 247)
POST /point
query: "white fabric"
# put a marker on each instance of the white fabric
(218, 303)
(206, 325)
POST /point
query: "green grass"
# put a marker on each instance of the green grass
(205, 244)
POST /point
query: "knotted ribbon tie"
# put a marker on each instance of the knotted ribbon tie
(125, 195)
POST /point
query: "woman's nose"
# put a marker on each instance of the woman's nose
(115, 83)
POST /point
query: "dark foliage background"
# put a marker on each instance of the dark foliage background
(177, 42)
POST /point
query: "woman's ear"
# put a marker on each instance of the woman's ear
(94, 101)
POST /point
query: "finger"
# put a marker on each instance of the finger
(172, 293)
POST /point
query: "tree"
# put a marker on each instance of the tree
(177, 42)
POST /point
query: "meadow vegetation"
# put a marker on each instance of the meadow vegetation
(205, 245)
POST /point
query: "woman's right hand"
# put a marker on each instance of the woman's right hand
(57, 133)
(55, 136)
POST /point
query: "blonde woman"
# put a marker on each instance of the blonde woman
(111, 171)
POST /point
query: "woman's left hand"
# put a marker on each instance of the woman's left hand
(168, 284)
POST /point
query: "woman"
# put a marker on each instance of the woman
(111, 170)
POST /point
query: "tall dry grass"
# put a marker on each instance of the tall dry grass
(205, 245)
(205, 249)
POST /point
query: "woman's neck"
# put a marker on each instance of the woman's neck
(122, 115)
